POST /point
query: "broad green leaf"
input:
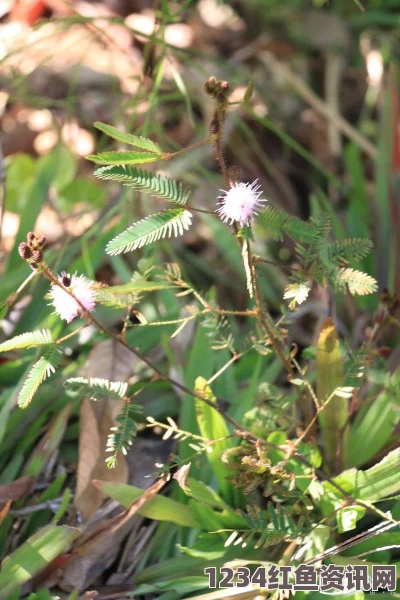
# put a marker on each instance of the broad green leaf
(151, 229)
(380, 481)
(213, 427)
(28, 340)
(33, 556)
(201, 493)
(128, 138)
(158, 508)
(123, 158)
(50, 441)
(348, 516)
(333, 417)
(372, 430)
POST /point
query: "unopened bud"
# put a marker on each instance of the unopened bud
(30, 237)
(209, 85)
(385, 351)
(214, 126)
(224, 86)
(66, 281)
(42, 241)
(24, 251)
(37, 256)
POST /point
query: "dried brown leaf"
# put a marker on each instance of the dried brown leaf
(108, 360)
(16, 489)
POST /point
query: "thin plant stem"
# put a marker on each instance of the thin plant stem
(70, 335)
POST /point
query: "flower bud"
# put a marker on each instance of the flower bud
(30, 238)
(42, 241)
(24, 251)
(385, 351)
(37, 256)
(214, 126)
(66, 281)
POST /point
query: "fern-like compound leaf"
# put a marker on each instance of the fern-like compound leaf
(349, 249)
(31, 339)
(96, 388)
(123, 433)
(151, 229)
(157, 185)
(129, 138)
(358, 282)
(123, 158)
(41, 370)
(276, 222)
(298, 292)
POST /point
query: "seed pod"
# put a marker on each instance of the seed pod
(24, 251)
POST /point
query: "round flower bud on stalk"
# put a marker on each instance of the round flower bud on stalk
(65, 305)
(24, 251)
(30, 237)
(37, 256)
(240, 203)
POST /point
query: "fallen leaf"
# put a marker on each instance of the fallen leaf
(16, 489)
(96, 550)
(112, 361)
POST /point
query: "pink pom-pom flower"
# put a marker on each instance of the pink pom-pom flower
(240, 203)
(65, 305)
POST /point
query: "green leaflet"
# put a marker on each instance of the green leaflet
(276, 222)
(123, 433)
(358, 282)
(129, 138)
(28, 340)
(213, 427)
(149, 230)
(123, 158)
(96, 388)
(157, 185)
(350, 249)
(41, 370)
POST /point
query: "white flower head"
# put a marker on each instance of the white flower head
(65, 305)
(240, 203)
